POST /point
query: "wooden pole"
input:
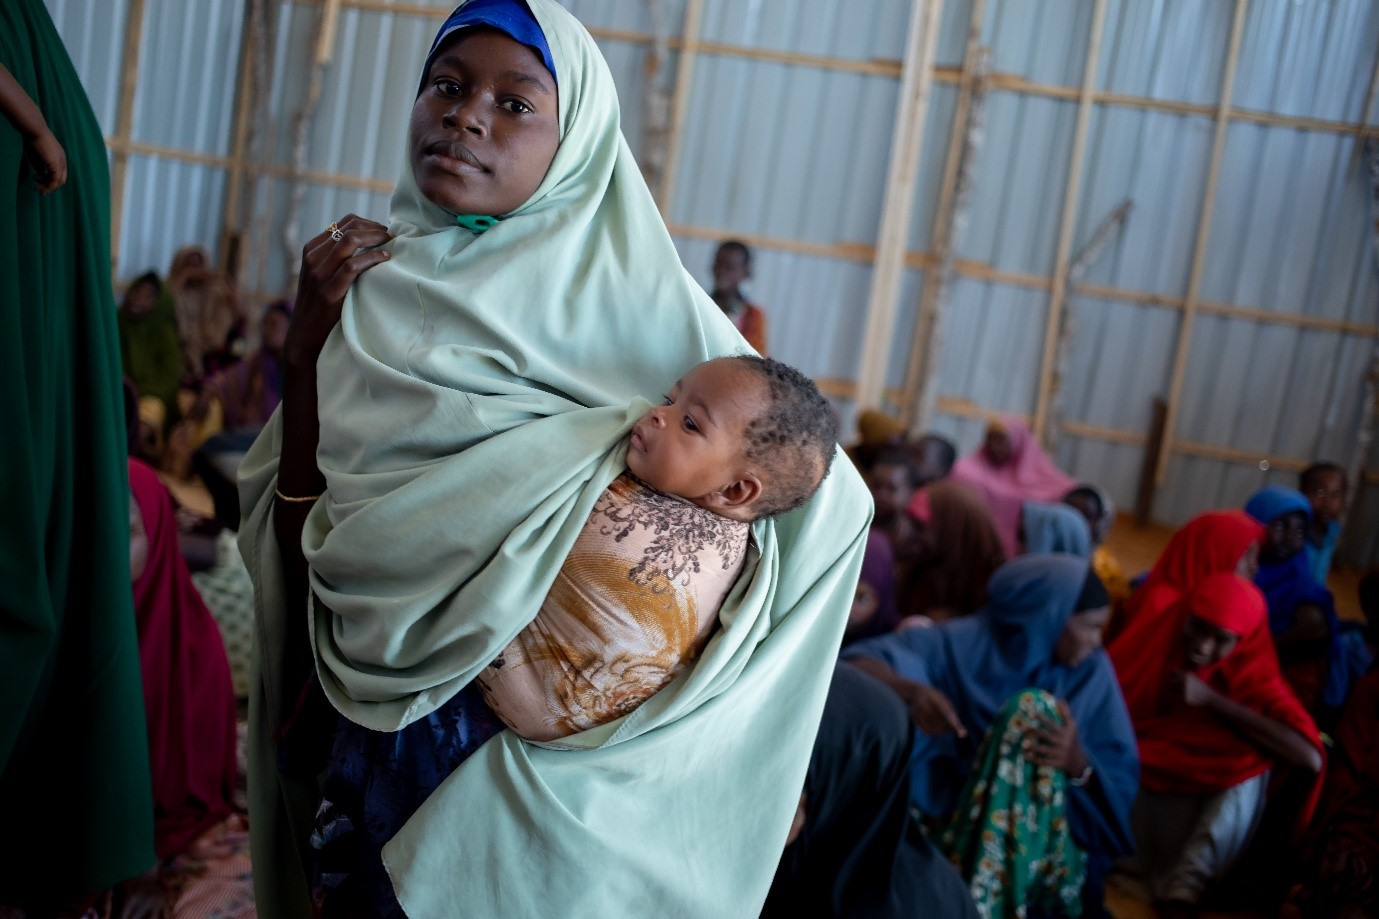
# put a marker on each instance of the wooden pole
(124, 126)
(1199, 252)
(1071, 192)
(325, 45)
(940, 281)
(912, 107)
(230, 235)
(679, 103)
(942, 233)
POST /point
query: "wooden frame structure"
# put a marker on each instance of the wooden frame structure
(889, 255)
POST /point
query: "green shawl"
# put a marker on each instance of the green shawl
(474, 402)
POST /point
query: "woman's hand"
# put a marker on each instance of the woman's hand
(1057, 745)
(931, 710)
(330, 264)
(48, 159)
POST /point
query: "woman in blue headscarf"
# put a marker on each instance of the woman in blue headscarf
(1018, 705)
(1302, 612)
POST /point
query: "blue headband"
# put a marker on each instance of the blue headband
(1269, 504)
(511, 17)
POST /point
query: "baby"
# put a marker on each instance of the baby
(736, 440)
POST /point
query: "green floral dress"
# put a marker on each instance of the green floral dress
(1009, 835)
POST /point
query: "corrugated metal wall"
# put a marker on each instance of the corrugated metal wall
(789, 120)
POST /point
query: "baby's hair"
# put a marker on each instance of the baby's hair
(1309, 476)
(793, 440)
(737, 245)
(900, 458)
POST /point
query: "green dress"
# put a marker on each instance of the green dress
(74, 772)
(1009, 836)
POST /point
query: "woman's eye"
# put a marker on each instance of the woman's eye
(516, 106)
(448, 87)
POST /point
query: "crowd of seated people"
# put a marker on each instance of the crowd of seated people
(1069, 733)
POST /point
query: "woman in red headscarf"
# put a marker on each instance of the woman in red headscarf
(1212, 716)
(1213, 543)
(188, 697)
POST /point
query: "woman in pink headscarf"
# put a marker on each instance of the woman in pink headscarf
(1009, 469)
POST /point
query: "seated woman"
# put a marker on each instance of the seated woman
(208, 315)
(1046, 528)
(873, 609)
(1100, 512)
(1342, 874)
(943, 569)
(1302, 612)
(1212, 717)
(1212, 543)
(1009, 469)
(855, 849)
(151, 353)
(189, 699)
(1017, 706)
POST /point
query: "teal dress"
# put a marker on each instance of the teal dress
(74, 773)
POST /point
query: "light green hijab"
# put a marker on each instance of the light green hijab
(474, 403)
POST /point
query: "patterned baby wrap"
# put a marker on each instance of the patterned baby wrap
(634, 603)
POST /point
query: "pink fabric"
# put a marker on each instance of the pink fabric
(1029, 476)
(189, 700)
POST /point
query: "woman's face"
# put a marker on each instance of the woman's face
(1284, 537)
(486, 126)
(1081, 636)
(891, 489)
(1248, 565)
(1205, 643)
(142, 299)
(997, 447)
(865, 602)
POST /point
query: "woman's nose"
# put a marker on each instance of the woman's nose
(466, 115)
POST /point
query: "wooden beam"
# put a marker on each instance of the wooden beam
(912, 108)
(124, 125)
(679, 103)
(1199, 252)
(1071, 193)
(941, 235)
(229, 223)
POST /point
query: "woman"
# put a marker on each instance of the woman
(1343, 861)
(537, 295)
(74, 780)
(1212, 716)
(858, 851)
(873, 610)
(1048, 528)
(1212, 543)
(1009, 469)
(946, 564)
(189, 700)
(151, 351)
(207, 313)
(1100, 512)
(1025, 679)
(1302, 613)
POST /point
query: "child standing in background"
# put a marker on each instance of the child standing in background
(1325, 486)
(732, 265)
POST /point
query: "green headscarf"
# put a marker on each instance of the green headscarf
(150, 347)
(474, 404)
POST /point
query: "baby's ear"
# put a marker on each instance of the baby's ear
(736, 498)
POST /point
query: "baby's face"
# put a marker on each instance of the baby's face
(694, 443)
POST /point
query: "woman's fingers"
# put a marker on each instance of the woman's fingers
(339, 283)
(337, 242)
